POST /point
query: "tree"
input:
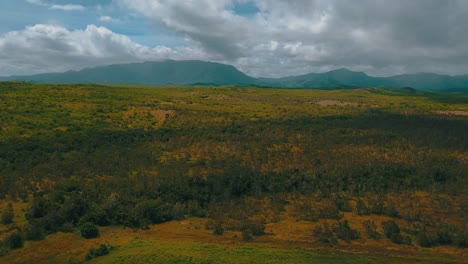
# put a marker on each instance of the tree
(390, 228)
(89, 230)
(324, 235)
(345, 232)
(361, 208)
(371, 229)
(8, 214)
(14, 241)
(218, 229)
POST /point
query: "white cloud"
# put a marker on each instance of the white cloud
(107, 19)
(52, 48)
(35, 2)
(68, 7)
(65, 7)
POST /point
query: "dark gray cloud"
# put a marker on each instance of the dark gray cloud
(380, 37)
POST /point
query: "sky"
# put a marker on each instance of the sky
(263, 38)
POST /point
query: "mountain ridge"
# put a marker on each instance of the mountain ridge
(196, 72)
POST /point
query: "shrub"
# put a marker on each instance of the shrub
(426, 239)
(34, 232)
(422, 240)
(371, 229)
(324, 235)
(3, 252)
(344, 232)
(376, 206)
(89, 230)
(361, 208)
(343, 204)
(102, 250)
(14, 241)
(407, 240)
(390, 228)
(246, 236)
(218, 229)
(396, 238)
(8, 214)
(255, 228)
(391, 210)
(152, 211)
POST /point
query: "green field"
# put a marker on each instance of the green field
(321, 168)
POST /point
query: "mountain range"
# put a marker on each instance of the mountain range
(193, 72)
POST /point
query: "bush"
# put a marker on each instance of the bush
(425, 239)
(371, 229)
(391, 210)
(102, 250)
(14, 241)
(361, 208)
(34, 232)
(422, 240)
(255, 228)
(8, 214)
(3, 252)
(152, 212)
(343, 204)
(344, 232)
(89, 230)
(324, 235)
(396, 238)
(246, 236)
(407, 240)
(218, 229)
(390, 228)
(376, 206)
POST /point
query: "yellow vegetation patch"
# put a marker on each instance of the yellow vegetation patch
(335, 102)
(450, 113)
(143, 114)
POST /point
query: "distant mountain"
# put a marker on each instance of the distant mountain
(195, 72)
(341, 78)
(344, 78)
(159, 72)
(430, 81)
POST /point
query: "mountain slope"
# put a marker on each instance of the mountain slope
(201, 72)
(341, 78)
(161, 72)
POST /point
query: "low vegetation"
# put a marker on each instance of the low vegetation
(385, 166)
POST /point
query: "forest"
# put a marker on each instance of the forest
(360, 165)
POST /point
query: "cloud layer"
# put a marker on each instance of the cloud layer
(45, 48)
(268, 38)
(377, 36)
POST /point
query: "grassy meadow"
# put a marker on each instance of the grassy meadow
(232, 174)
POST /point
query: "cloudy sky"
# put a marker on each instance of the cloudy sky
(268, 38)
